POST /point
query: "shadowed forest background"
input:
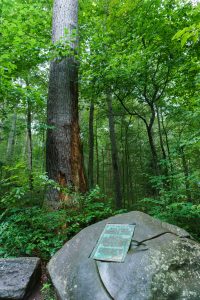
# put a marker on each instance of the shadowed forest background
(139, 116)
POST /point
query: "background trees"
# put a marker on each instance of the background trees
(138, 86)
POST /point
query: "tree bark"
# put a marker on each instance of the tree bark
(64, 158)
(115, 163)
(91, 147)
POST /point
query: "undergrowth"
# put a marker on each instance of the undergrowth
(36, 231)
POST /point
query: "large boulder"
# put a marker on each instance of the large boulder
(18, 277)
(168, 269)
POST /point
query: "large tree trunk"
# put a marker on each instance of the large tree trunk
(91, 147)
(64, 159)
(115, 163)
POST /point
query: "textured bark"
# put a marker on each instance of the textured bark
(91, 147)
(64, 158)
(115, 163)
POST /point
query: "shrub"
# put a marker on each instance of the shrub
(38, 231)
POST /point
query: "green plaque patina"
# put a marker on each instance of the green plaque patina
(113, 243)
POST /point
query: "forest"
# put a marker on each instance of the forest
(96, 121)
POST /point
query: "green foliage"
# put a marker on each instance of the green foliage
(145, 53)
(37, 231)
(171, 205)
(191, 32)
(183, 214)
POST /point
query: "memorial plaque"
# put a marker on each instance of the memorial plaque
(113, 243)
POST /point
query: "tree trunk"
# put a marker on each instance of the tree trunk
(186, 174)
(64, 158)
(91, 147)
(103, 170)
(97, 156)
(115, 164)
(11, 139)
(153, 151)
(128, 166)
(160, 135)
(167, 143)
(123, 162)
(164, 156)
(29, 144)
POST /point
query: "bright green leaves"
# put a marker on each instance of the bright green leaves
(190, 33)
(26, 32)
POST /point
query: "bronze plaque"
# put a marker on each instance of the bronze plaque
(113, 243)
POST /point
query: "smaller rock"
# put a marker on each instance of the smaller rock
(18, 277)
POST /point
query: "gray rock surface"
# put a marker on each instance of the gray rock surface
(18, 277)
(168, 269)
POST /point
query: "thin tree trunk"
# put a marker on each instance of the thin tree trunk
(122, 162)
(91, 147)
(186, 174)
(167, 142)
(160, 135)
(115, 164)
(43, 150)
(127, 167)
(97, 156)
(166, 172)
(64, 158)
(29, 144)
(103, 170)
(153, 150)
(11, 139)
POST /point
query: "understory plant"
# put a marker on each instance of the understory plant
(171, 204)
(37, 231)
